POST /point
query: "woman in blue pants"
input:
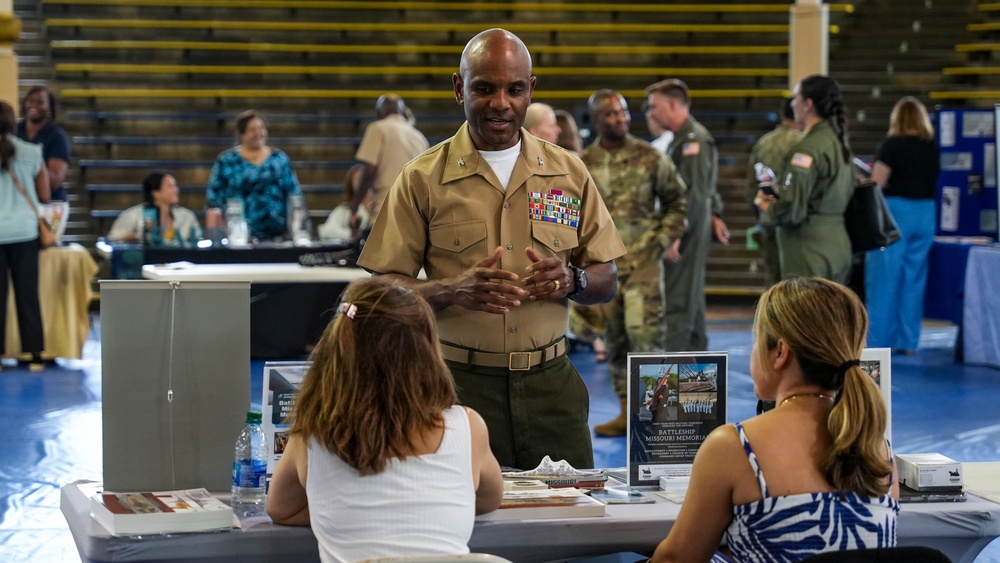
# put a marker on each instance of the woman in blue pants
(906, 167)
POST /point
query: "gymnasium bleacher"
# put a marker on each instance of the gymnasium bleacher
(148, 84)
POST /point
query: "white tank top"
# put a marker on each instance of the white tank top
(419, 505)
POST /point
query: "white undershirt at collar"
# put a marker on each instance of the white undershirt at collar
(502, 162)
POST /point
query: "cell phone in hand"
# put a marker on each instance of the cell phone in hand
(769, 190)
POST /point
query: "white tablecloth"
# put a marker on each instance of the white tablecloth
(960, 529)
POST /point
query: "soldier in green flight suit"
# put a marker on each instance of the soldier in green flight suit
(814, 187)
(645, 197)
(770, 150)
(694, 153)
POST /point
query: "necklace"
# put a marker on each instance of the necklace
(790, 397)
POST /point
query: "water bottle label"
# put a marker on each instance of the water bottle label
(249, 473)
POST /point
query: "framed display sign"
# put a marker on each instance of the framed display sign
(877, 362)
(282, 382)
(674, 401)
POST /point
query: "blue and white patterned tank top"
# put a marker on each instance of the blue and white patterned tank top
(793, 527)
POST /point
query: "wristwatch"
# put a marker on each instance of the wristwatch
(579, 282)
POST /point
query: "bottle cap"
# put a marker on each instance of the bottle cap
(253, 416)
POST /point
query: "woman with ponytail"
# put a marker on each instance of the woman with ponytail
(815, 473)
(381, 462)
(812, 190)
(24, 184)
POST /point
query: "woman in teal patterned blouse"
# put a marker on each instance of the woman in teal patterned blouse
(259, 175)
(819, 474)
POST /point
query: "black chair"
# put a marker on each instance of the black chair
(900, 554)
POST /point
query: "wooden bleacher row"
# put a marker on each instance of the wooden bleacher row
(457, 118)
(78, 24)
(970, 70)
(109, 141)
(984, 26)
(399, 5)
(87, 164)
(976, 47)
(103, 217)
(993, 95)
(372, 94)
(120, 68)
(358, 49)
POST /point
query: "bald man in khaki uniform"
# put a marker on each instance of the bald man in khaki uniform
(506, 228)
(388, 144)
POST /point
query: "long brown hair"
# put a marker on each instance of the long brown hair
(829, 103)
(377, 379)
(8, 124)
(824, 324)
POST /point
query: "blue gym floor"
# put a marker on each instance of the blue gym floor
(51, 424)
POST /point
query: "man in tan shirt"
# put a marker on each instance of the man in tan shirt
(387, 145)
(507, 228)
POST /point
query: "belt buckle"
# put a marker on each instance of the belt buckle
(519, 361)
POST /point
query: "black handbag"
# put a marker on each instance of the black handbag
(868, 220)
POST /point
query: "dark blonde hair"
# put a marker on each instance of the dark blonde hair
(377, 380)
(824, 324)
(909, 117)
(569, 133)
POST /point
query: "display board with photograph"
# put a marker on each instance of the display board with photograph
(282, 382)
(674, 401)
(877, 362)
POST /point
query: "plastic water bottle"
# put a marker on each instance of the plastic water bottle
(250, 469)
(236, 223)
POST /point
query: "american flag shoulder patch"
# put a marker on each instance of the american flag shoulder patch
(554, 207)
(691, 149)
(802, 160)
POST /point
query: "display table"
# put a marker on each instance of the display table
(961, 530)
(127, 259)
(64, 277)
(253, 273)
(981, 310)
(290, 305)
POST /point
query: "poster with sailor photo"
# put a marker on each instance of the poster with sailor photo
(674, 401)
(877, 362)
(282, 382)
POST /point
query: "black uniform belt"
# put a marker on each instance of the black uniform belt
(514, 361)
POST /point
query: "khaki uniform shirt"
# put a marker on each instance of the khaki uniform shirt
(388, 144)
(447, 211)
(644, 195)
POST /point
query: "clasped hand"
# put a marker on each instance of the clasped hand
(487, 288)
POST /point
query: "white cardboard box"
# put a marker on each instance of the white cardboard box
(929, 472)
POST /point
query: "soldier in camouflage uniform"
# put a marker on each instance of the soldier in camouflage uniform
(771, 150)
(645, 197)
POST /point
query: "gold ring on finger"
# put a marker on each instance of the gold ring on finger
(557, 284)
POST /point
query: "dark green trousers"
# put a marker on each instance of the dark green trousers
(530, 414)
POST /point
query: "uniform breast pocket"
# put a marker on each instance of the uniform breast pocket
(456, 247)
(551, 239)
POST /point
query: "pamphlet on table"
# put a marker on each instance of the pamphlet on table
(164, 512)
(563, 502)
